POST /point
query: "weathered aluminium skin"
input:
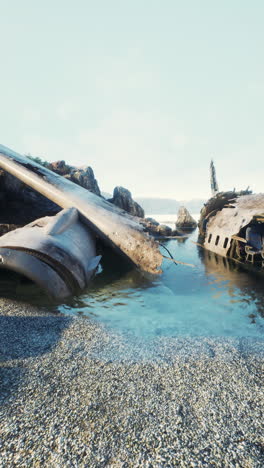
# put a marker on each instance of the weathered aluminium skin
(115, 227)
(230, 220)
(56, 252)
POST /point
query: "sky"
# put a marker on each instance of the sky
(145, 92)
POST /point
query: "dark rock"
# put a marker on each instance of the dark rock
(123, 199)
(185, 222)
(82, 176)
(150, 226)
(20, 204)
(4, 228)
(155, 229)
(164, 231)
(60, 167)
(152, 221)
(85, 178)
(176, 233)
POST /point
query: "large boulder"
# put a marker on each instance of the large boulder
(158, 230)
(20, 204)
(83, 176)
(123, 199)
(152, 221)
(60, 167)
(185, 222)
(164, 231)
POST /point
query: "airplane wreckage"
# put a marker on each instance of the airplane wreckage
(232, 225)
(58, 253)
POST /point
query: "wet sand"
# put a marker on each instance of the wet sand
(74, 394)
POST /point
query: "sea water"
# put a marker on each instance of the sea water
(214, 297)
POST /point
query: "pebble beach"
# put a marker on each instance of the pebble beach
(76, 394)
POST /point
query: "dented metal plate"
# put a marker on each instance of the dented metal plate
(112, 225)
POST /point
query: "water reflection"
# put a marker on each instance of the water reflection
(216, 298)
(235, 277)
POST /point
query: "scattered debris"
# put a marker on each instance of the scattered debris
(178, 262)
(172, 259)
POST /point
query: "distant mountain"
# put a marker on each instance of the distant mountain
(168, 205)
(165, 205)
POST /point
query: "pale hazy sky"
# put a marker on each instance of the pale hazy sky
(144, 91)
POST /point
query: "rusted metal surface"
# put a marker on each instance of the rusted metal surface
(112, 225)
(57, 253)
(228, 222)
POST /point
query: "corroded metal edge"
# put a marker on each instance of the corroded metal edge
(115, 227)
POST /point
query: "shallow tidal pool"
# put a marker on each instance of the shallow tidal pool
(213, 298)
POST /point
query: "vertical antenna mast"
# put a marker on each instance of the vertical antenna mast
(214, 184)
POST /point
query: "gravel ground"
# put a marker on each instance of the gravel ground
(73, 394)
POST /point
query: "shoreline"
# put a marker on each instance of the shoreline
(72, 395)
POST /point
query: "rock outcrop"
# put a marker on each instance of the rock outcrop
(60, 167)
(158, 230)
(152, 221)
(82, 176)
(123, 199)
(185, 222)
(19, 204)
